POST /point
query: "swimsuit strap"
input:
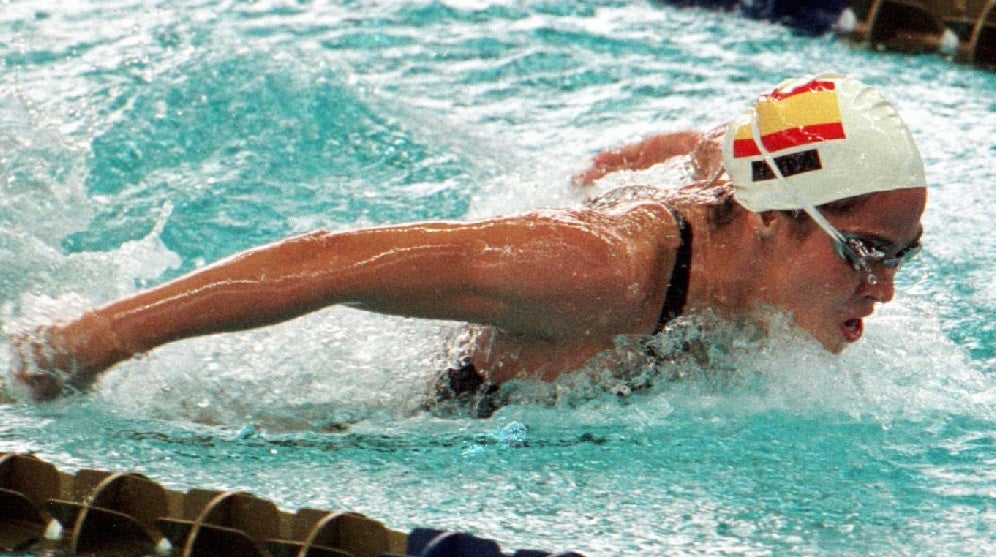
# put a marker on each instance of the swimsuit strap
(677, 290)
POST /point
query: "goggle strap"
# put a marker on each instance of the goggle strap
(803, 204)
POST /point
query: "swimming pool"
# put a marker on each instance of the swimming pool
(142, 139)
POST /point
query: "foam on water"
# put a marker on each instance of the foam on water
(340, 366)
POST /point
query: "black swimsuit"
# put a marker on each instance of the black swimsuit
(677, 289)
(467, 388)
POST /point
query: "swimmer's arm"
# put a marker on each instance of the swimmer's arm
(640, 155)
(704, 148)
(548, 274)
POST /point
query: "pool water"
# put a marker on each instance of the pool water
(142, 139)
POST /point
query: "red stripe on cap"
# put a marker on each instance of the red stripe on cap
(745, 148)
(807, 87)
(794, 137)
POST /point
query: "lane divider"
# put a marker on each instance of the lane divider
(126, 514)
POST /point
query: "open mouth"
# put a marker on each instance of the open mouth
(852, 329)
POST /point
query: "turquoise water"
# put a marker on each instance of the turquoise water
(139, 140)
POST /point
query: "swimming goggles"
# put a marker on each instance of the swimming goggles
(863, 253)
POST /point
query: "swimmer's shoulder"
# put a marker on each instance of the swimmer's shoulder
(624, 195)
(644, 205)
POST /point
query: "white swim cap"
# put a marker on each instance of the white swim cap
(830, 136)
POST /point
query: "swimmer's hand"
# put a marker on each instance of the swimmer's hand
(44, 368)
(37, 370)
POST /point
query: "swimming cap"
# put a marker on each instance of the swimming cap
(829, 136)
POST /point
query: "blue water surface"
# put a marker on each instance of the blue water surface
(141, 139)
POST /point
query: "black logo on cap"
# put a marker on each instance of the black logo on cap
(789, 165)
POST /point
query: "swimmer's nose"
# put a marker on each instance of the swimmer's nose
(881, 288)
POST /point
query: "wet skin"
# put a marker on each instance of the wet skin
(824, 294)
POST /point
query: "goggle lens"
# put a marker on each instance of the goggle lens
(862, 253)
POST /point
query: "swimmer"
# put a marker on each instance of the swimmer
(818, 207)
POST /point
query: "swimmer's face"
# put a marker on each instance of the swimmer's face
(825, 295)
